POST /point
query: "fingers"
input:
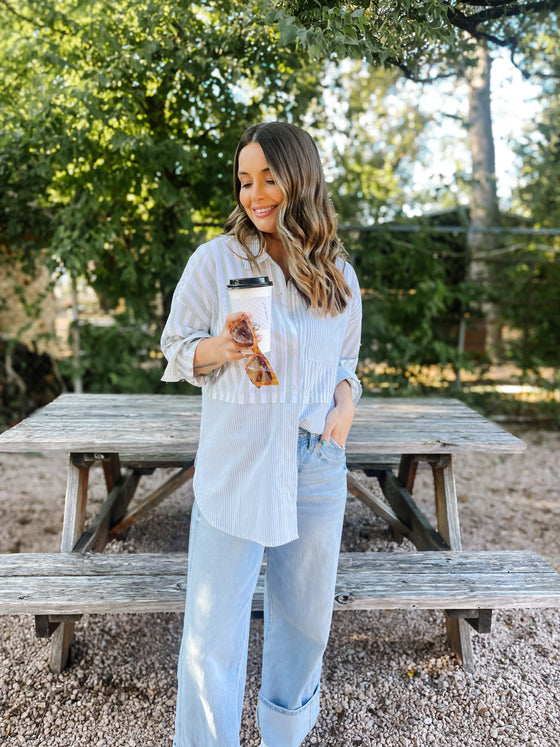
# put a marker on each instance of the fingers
(230, 323)
(337, 437)
(327, 429)
(229, 348)
(337, 426)
(235, 316)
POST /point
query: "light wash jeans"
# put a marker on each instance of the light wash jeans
(299, 592)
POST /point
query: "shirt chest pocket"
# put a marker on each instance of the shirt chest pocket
(324, 339)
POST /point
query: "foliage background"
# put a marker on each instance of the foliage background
(117, 132)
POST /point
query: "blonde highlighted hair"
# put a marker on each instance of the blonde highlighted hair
(306, 221)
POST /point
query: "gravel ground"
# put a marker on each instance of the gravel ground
(388, 676)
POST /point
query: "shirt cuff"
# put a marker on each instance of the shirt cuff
(180, 366)
(348, 374)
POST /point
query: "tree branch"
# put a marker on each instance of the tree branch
(36, 23)
(411, 75)
(485, 3)
(499, 9)
(21, 16)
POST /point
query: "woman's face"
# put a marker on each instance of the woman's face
(260, 196)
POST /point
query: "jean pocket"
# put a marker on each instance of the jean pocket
(332, 451)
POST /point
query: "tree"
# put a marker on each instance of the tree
(538, 194)
(132, 113)
(429, 40)
(535, 310)
(117, 132)
(372, 131)
(422, 39)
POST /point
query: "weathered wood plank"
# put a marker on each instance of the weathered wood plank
(108, 423)
(419, 529)
(368, 498)
(97, 533)
(447, 512)
(153, 461)
(480, 620)
(74, 505)
(382, 563)
(78, 584)
(153, 500)
(112, 471)
(439, 425)
(73, 525)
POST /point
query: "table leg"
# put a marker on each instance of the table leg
(407, 471)
(73, 526)
(447, 511)
(112, 471)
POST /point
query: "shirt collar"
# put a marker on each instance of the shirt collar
(254, 249)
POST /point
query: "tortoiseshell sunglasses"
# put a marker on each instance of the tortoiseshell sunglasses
(258, 368)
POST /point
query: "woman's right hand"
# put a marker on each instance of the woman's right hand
(213, 352)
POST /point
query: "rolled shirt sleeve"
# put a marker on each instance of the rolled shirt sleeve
(351, 343)
(189, 322)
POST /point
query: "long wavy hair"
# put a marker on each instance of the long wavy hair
(306, 219)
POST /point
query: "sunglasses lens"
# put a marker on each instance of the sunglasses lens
(259, 371)
(243, 335)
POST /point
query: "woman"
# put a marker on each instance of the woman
(270, 474)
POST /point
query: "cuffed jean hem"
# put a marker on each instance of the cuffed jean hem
(281, 727)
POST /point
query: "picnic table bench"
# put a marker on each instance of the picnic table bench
(132, 435)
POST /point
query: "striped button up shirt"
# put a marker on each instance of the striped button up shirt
(246, 467)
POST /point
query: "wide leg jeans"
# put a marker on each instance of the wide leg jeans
(299, 591)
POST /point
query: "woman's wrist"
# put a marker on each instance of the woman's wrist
(343, 395)
(212, 352)
(207, 356)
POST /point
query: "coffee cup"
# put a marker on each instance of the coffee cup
(254, 297)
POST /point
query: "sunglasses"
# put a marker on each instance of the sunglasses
(258, 368)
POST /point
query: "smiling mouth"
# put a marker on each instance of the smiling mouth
(263, 212)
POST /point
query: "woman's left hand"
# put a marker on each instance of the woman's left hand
(339, 419)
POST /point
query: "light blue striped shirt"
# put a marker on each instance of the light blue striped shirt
(246, 472)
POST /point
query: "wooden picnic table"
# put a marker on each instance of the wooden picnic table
(131, 435)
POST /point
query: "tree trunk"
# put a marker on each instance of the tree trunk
(484, 210)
